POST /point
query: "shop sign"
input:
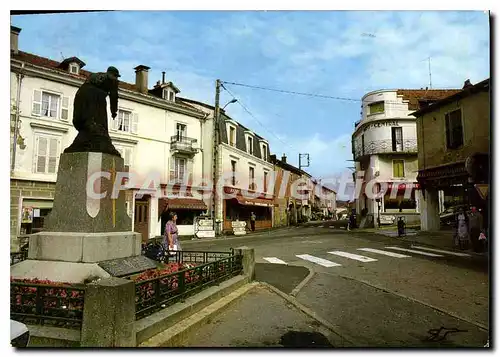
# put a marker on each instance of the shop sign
(27, 216)
(205, 234)
(482, 189)
(238, 224)
(381, 124)
(206, 223)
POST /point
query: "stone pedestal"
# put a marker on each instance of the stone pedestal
(80, 176)
(84, 230)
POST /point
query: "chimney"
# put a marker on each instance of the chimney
(141, 78)
(163, 77)
(14, 39)
(467, 84)
(283, 158)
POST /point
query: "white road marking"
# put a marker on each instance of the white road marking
(361, 258)
(275, 260)
(320, 261)
(441, 251)
(414, 251)
(390, 254)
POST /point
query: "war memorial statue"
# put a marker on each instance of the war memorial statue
(90, 116)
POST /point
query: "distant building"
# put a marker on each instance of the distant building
(453, 157)
(384, 147)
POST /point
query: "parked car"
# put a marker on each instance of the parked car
(19, 334)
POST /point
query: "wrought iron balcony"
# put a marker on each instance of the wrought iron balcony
(183, 144)
(408, 146)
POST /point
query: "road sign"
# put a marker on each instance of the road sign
(205, 234)
(482, 189)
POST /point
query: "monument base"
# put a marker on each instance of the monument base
(80, 247)
(67, 272)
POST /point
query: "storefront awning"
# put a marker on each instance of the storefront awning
(180, 203)
(254, 201)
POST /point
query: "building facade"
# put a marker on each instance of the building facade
(384, 146)
(158, 137)
(454, 153)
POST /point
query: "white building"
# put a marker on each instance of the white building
(156, 134)
(245, 172)
(384, 146)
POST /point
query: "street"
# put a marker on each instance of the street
(377, 290)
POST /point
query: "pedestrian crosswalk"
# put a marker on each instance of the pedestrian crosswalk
(338, 255)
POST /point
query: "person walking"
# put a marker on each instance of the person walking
(475, 226)
(171, 237)
(462, 230)
(253, 217)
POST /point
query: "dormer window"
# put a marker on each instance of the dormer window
(74, 68)
(169, 95)
(250, 145)
(264, 152)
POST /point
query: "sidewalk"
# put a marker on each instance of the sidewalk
(259, 233)
(264, 318)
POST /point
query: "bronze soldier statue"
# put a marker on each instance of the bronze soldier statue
(90, 116)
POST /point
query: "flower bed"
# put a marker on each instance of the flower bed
(44, 301)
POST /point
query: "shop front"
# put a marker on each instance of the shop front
(33, 213)
(185, 206)
(240, 208)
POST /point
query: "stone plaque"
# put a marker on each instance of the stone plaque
(127, 266)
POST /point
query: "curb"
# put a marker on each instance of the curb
(178, 334)
(304, 309)
(232, 237)
(452, 314)
(303, 283)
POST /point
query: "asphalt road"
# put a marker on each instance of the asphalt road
(378, 295)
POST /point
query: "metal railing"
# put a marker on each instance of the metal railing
(155, 294)
(385, 147)
(16, 257)
(56, 305)
(183, 143)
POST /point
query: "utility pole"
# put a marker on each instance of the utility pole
(430, 75)
(215, 167)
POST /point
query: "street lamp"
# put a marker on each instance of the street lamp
(234, 100)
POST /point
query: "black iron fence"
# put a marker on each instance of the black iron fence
(385, 147)
(157, 293)
(55, 305)
(16, 257)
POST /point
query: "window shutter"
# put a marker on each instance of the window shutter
(127, 153)
(448, 130)
(37, 103)
(393, 139)
(135, 123)
(41, 157)
(65, 108)
(172, 168)
(53, 155)
(190, 169)
(115, 122)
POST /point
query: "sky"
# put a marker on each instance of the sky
(334, 53)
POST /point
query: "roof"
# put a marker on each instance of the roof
(413, 96)
(82, 74)
(466, 92)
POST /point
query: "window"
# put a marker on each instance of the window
(47, 150)
(251, 179)
(124, 120)
(398, 168)
(375, 108)
(74, 68)
(48, 105)
(454, 130)
(250, 146)
(233, 170)
(362, 144)
(232, 136)
(265, 181)
(126, 153)
(180, 168)
(264, 152)
(181, 131)
(171, 96)
(397, 139)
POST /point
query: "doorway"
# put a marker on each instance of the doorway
(141, 217)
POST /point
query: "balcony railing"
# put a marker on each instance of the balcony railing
(408, 146)
(183, 144)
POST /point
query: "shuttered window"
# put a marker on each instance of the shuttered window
(454, 130)
(397, 139)
(50, 105)
(376, 107)
(398, 168)
(126, 153)
(47, 151)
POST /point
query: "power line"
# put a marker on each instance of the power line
(257, 120)
(314, 94)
